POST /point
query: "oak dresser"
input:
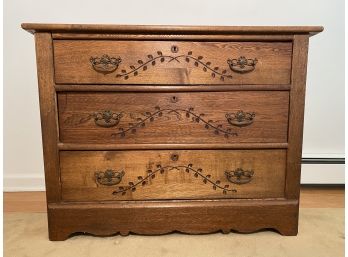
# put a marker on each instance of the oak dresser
(153, 129)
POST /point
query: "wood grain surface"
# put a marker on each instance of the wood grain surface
(296, 116)
(174, 122)
(153, 62)
(79, 183)
(157, 217)
(169, 29)
(49, 115)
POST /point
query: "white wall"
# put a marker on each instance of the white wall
(324, 119)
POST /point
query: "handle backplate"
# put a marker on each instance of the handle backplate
(239, 176)
(105, 64)
(108, 177)
(107, 118)
(240, 118)
(242, 64)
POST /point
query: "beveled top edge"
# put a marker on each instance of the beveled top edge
(169, 29)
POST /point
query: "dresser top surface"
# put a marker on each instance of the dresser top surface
(169, 29)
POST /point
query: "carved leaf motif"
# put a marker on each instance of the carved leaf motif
(152, 175)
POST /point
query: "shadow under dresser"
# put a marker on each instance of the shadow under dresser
(154, 129)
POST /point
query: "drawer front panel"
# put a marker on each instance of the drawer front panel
(162, 118)
(182, 174)
(163, 62)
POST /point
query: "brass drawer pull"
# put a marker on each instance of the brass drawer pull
(109, 177)
(105, 64)
(239, 176)
(240, 118)
(107, 118)
(242, 64)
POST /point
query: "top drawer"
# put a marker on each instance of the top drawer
(166, 62)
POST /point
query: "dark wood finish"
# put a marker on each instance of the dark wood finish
(154, 218)
(168, 118)
(48, 111)
(274, 84)
(297, 102)
(193, 63)
(179, 174)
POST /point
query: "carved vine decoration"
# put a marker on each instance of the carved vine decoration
(152, 60)
(151, 174)
(150, 117)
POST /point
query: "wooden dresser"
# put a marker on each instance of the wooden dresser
(153, 129)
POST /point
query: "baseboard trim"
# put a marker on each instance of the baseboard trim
(323, 160)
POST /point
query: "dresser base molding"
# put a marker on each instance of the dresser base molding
(162, 217)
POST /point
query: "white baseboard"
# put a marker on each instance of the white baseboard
(311, 174)
(322, 174)
(27, 182)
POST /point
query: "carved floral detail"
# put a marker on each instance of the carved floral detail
(151, 174)
(108, 65)
(147, 117)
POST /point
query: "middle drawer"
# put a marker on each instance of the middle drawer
(164, 118)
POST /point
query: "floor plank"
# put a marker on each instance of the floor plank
(311, 197)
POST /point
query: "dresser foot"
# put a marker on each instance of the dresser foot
(288, 230)
(58, 235)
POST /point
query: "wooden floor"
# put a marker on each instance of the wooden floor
(311, 197)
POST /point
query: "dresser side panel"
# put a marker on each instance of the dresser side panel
(48, 111)
(296, 116)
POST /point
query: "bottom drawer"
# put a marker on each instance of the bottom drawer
(167, 174)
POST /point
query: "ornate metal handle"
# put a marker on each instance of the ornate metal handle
(242, 64)
(108, 177)
(105, 64)
(107, 118)
(240, 118)
(239, 176)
